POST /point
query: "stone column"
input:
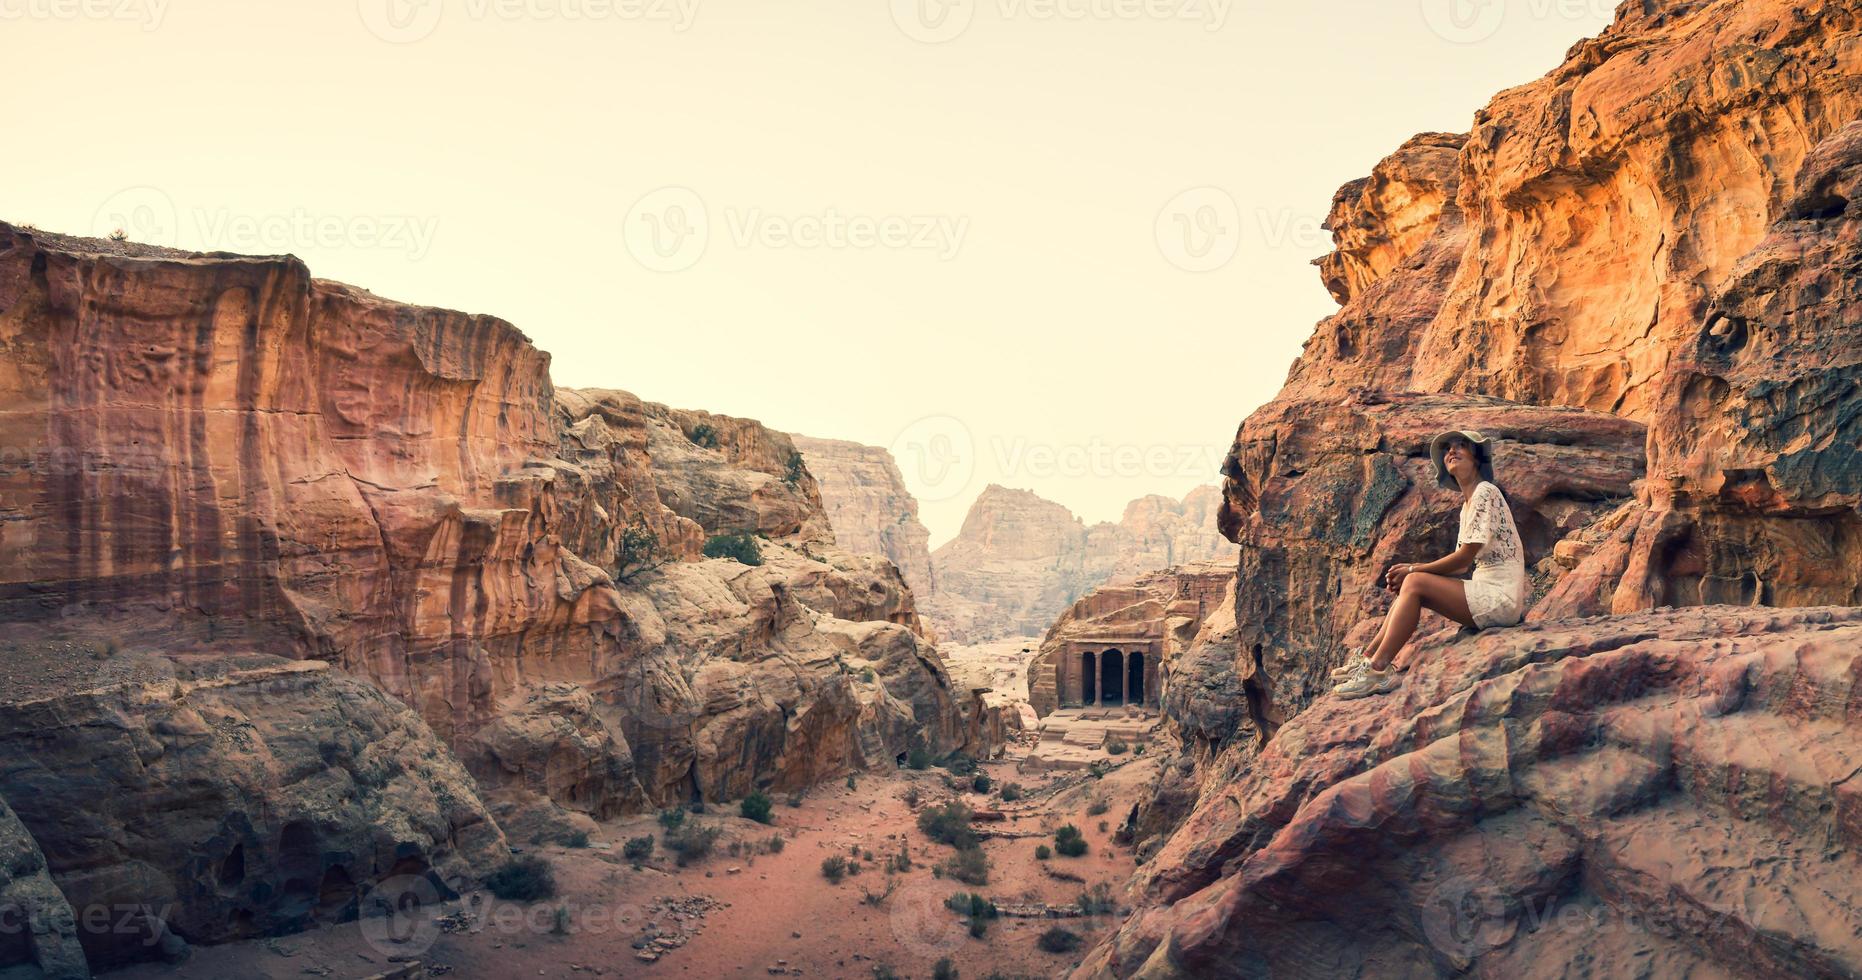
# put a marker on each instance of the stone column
(1099, 680)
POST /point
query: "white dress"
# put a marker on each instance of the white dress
(1498, 592)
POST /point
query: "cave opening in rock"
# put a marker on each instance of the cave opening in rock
(1134, 686)
(1112, 678)
(1089, 688)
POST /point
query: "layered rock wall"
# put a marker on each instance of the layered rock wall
(870, 507)
(1661, 229)
(215, 458)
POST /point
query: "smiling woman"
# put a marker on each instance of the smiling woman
(1488, 543)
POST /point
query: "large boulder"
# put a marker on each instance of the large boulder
(1655, 795)
(236, 805)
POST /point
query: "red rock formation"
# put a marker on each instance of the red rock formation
(236, 806)
(1665, 794)
(1021, 560)
(1661, 228)
(215, 454)
(870, 508)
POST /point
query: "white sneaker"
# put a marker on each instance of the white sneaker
(1351, 667)
(1368, 682)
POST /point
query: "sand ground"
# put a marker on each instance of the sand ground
(752, 914)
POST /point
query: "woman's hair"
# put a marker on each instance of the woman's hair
(1483, 458)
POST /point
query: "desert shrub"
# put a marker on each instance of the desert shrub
(852, 783)
(1099, 805)
(1043, 852)
(673, 818)
(868, 675)
(576, 840)
(638, 848)
(878, 898)
(976, 908)
(1116, 745)
(525, 879)
(793, 470)
(692, 842)
(912, 797)
(944, 970)
(834, 869)
(1011, 792)
(1097, 900)
(756, 807)
(884, 971)
(981, 783)
(704, 435)
(560, 927)
(1058, 940)
(918, 758)
(969, 865)
(948, 824)
(1138, 749)
(774, 844)
(1069, 841)
(638, 551)
(902, 861)
(741, 547)
(959, 764)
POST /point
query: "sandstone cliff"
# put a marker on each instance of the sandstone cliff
(1660, 230)
(870, 508)
(1020, 561)
(219, 458)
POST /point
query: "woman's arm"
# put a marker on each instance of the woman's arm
(1454, 564)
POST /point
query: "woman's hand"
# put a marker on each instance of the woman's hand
(1394, 577)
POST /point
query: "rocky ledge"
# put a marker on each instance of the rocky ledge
(1671, 793)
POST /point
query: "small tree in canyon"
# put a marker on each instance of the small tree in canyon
(637, 552)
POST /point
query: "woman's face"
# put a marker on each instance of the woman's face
(1459, 460)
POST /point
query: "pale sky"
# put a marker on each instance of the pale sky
(1061, 245)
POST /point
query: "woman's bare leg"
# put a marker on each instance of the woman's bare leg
(1448, 596)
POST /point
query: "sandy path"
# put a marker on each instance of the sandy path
(777, 911)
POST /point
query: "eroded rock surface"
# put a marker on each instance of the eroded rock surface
(1670, 793)
(217, 455)
(37, 926)
(1659, 229)
(235, 806)
(870, 508)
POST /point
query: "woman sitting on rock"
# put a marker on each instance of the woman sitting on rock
(1488, 543)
